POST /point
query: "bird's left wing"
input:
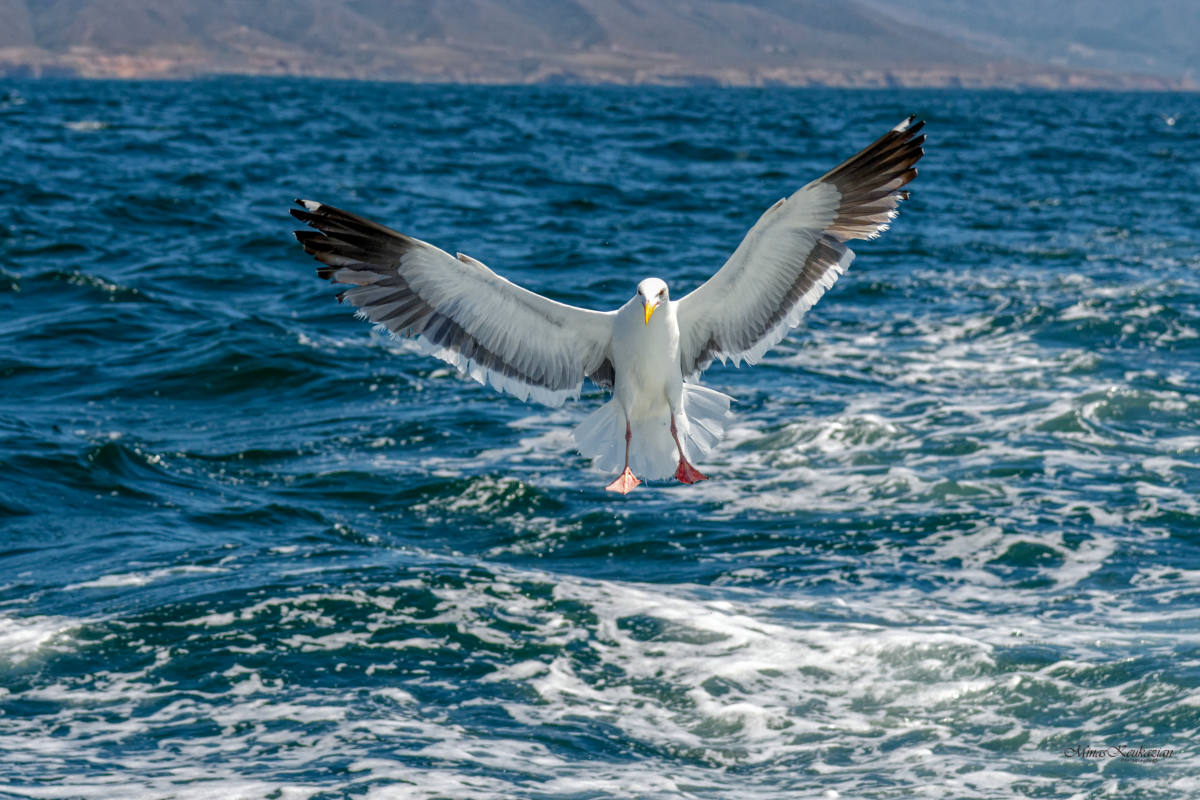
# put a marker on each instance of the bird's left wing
(794, 253)
(460, 311)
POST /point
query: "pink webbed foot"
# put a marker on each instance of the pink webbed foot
(624, 483)
(688, 474)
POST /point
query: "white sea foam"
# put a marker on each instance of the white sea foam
(22, 638)
(749, 694)
(86, 125)
(126, 579)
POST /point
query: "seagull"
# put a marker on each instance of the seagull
(650, 352)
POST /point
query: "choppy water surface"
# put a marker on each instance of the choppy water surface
(251, 548)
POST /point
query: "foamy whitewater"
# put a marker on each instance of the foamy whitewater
(252, 548)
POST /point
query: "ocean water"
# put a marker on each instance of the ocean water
(250, 548)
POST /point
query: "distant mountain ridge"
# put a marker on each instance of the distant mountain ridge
(1153, 37)
(726, 42)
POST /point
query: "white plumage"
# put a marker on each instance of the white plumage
(650, 351)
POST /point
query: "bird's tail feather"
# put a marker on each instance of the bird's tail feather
(601, 436)
(652, 454)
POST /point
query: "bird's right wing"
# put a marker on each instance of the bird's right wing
(461, 311)
(794, 253)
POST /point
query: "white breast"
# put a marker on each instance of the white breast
(648, 381)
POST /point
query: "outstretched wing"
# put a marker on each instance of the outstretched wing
(794, 253)
(461, 311)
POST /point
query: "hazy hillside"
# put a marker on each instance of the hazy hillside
(735, 42)
(1156, 37)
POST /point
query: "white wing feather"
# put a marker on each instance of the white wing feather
(794, 253)
(500, 334)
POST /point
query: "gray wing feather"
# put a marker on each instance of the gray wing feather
(795, 252)
(459, 310)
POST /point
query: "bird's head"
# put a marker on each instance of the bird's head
(652, 292)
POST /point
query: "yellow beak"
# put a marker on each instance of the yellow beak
(650, 310)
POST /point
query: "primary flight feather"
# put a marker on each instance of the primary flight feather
(650, 351)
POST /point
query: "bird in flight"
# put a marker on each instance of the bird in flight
(651, 350)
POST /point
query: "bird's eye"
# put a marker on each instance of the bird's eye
(661, 292)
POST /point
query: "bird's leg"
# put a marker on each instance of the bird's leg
(686, 472)
(625, 482)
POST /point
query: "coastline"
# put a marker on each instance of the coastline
(435, 64)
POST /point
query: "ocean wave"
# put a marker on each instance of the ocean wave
(254, 547)
(737, 693)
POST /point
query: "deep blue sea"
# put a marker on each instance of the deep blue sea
(251, 548)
